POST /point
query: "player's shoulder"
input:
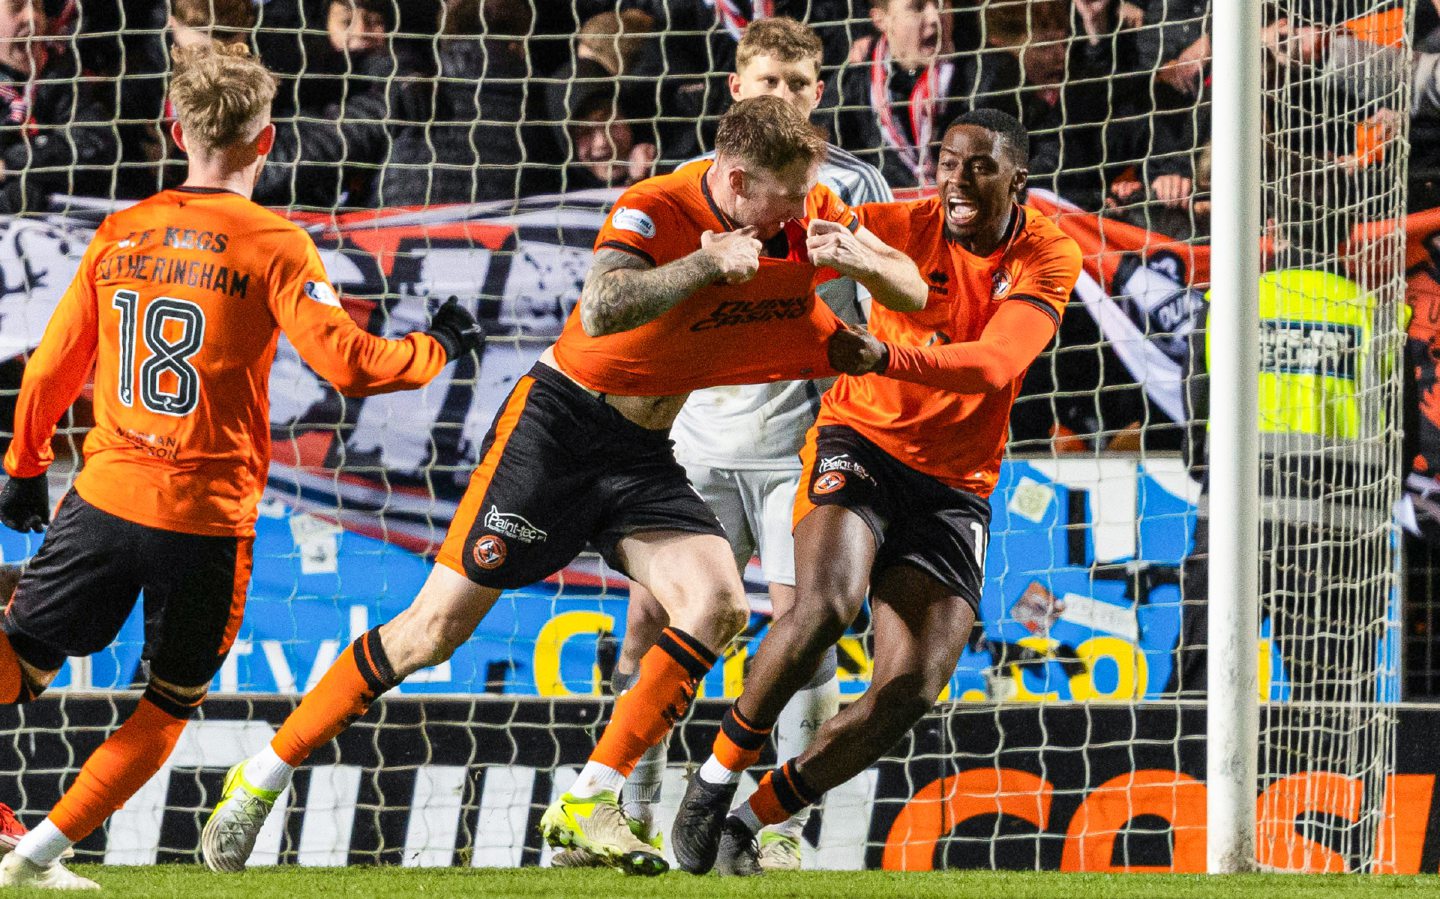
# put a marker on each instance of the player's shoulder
(681, 187)
(1042, 236)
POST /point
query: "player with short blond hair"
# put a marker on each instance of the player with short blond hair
(178, 305)
(702, 277)
(741, 445)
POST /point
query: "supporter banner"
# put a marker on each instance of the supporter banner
(1082, 597)
(437, 783)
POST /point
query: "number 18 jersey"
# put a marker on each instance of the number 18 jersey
(178, 305)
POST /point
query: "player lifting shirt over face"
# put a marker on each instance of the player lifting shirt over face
(704, 276)
(898, 470)
(178, 304)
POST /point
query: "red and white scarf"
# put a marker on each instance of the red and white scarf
(21, 100)
(734, 21)
(930, 90)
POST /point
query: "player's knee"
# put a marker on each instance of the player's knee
(904, 700)
(729, 611)
(174, 699)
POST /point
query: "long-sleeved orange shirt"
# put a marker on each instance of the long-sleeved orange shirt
(177, 306)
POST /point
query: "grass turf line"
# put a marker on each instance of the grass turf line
(293, 882)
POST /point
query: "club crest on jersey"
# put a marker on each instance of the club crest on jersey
(321, 293)
(626, 218)
(489, 552)
(999, 284)
(513, 526)
(828, 483)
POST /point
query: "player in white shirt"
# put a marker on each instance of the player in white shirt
(741, 445)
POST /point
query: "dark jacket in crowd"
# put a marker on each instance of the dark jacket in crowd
(56, 136)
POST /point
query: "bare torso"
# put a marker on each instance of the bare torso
(656, 413)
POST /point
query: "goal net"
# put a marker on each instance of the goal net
(473, 147)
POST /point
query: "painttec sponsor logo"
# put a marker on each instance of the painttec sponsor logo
(513, 526)
(843, 462)
(752, 312)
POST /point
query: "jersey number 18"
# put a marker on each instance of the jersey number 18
(167, 355)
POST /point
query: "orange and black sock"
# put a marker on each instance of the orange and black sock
(781, 794)
(344, 694)
(122, 764)
(740, 742)
(669, 673)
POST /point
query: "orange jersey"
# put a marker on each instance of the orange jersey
(178, 305)
(771, 328)
(956, 438)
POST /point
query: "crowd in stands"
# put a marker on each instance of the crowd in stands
(387, 103)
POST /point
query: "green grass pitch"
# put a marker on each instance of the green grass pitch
(294, 883)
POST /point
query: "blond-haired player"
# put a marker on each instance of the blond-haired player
(178, 304)
(741, 445)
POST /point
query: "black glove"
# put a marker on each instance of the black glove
(456, 330)
(25, 504)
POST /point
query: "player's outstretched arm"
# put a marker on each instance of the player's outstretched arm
(623, 291)
(54, 376)
(892, 277)
(357, 362)
(1018, 332)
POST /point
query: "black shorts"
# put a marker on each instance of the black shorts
(561, 469)
(917, 520)
(81, 585)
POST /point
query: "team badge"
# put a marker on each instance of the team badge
(626, 218)
(489, 552)
(999, 284)
(320, 292)
(828, 483)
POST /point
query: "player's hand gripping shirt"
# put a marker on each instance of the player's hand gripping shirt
(957, 438)
(771, 328)
(178, 305)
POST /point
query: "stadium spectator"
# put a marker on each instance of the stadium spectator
(1368, 72)
(598, 108)
(695, 48)
(144, 95)
(475, 144)
(1060, 81)
(1174, 46)
(379, 84)
(55, 137)
(895, 105)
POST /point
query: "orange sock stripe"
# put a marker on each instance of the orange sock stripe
(113, 773)
(12, 676)
(792, 790)
(740, 742)
(687, 651)
(342, 695)
(647, 711)
(765, 804)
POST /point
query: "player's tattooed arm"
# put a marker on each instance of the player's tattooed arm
(624, 291)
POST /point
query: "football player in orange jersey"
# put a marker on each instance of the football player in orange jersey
(898, 471)
(702, 277)
(178, 304)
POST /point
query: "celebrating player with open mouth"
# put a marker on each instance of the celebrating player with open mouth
(898, 471)
(178, 305)
(702, 277)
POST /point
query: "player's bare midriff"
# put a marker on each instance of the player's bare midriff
(655, 413)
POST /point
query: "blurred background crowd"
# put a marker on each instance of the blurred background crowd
(387, 103)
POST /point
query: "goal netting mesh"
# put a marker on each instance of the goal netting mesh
(472, 148)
